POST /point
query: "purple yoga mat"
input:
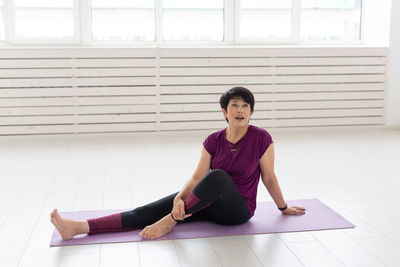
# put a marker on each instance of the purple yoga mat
(267, 219)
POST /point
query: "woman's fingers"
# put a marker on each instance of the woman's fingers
(182, 212)
(294, 210)
(299, 210)
(178, 211)
(182, 215)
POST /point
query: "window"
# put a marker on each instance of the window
(193, 20)
(123, 20)
(323, 20)
(149, 22)
(1, 22)
(265, 20)
(43, 20)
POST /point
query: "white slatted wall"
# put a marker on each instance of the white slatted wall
(80, 90)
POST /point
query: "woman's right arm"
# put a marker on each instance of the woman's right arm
(202, 169)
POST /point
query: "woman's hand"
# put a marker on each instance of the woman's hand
(178, 211)
(294, 210)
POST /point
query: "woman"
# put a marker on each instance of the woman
(236, 155)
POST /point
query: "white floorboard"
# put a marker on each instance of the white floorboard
(353, 170)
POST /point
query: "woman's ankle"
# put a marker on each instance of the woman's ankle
(81, 227)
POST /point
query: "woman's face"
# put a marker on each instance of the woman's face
(238, 112)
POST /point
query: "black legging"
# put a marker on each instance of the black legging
(215, 198)
(216, 190)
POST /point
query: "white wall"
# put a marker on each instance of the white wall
(376, 22)
(393, 92)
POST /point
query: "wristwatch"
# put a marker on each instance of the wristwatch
(281, 209)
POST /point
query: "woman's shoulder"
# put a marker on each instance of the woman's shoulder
(214, 137)
(216, 134)
(258, 131)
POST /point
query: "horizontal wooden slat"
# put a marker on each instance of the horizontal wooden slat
(191, 90)
(48, 72)
(104, 72)
(95, 72)
(276, 97)
(82, 91)
(36, 63)
(278, 105)
(324, 104)
(320, 96)
(272, 51)
(241, 62)
(46, 82)
(224, 71)
(116, 62)
(68, 119)
(273, 79)
(70, 101)
(321, 122)
(79, 128)
(271, 88)
(173, 126)
(77, 63)
(273, 114)
(72, 52)
(57, 110)
(191, 52)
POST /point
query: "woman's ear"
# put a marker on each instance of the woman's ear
(224, 112)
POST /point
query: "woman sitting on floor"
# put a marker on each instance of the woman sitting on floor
(236, 155)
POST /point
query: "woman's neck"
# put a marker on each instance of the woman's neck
(233, 134)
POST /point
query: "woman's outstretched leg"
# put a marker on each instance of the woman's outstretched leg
(68, 228)
(118, 222)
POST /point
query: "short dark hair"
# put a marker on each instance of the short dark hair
(237, 92)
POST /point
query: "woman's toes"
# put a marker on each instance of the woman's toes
(53, 213)
(143, 233)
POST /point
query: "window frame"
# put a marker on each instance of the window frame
(293, 39)
(4, 26)
(83, 30)
(14, 39)
(335, 42)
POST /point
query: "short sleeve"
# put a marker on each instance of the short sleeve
(210, 145)
(265, 142)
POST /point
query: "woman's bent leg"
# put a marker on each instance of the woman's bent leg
(219, 195)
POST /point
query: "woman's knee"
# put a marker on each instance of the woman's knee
(213, 183)
(219, 177)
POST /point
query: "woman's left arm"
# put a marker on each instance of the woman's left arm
(271, 182)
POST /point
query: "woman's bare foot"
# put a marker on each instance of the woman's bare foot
(66, 227)
(158, 229)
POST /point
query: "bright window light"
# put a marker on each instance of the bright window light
(337, 20)
(193, 20)
(123, 20)
(265, 19)
(44, 18)
(1, 22)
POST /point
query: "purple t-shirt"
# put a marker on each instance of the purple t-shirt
(240, 160)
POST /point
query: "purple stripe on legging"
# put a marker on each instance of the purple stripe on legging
(106, 224)
(190, 201)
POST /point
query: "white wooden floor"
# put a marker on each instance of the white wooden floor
(354, 171)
